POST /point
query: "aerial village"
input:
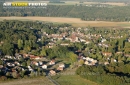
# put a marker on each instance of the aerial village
(35, 65)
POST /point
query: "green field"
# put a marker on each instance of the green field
(69, 77)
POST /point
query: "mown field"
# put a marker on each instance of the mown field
(76, 22)
(32, 81)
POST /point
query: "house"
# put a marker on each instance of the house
(119, 52)
(95, 61)
(35, 63)
(35, 57)
(44, 66)
(25, 55)
(29, 66)
(17, 63)
(7, 56)
(106, 63)
(113, 60)
(129, 40)
(90, 61)
(60, 37)
(64, 44)
(1, 66)
(105, 45)
(86, 62)
(62, 65)
(84, 58)
(127, 55)
(40, 63)
(23, 69)
(87, 42)
(103, 40)
(60, 68)
(82, 40)
(50, 46)
(52, 72)
(74, 38)
(107, 54)
(68, 39)
(52, 62)
(30, 69)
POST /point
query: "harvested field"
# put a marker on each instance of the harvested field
(74, 21)
(115, 4)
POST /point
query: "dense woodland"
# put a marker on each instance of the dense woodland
(84, 12)
(118, 74)
(19, 35)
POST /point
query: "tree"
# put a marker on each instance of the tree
(28, 62)
(43, 52)
(128, 59)
(22, 73)
(27, 47)
(24, 64)
(1, 62)
(20, 43)
(81, 62)
(8, 48)
(73, 57)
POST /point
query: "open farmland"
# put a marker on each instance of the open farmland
(74, 21)
(88, 3)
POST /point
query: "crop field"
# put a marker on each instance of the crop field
(76, 22)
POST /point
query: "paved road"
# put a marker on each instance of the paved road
(49, 77)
